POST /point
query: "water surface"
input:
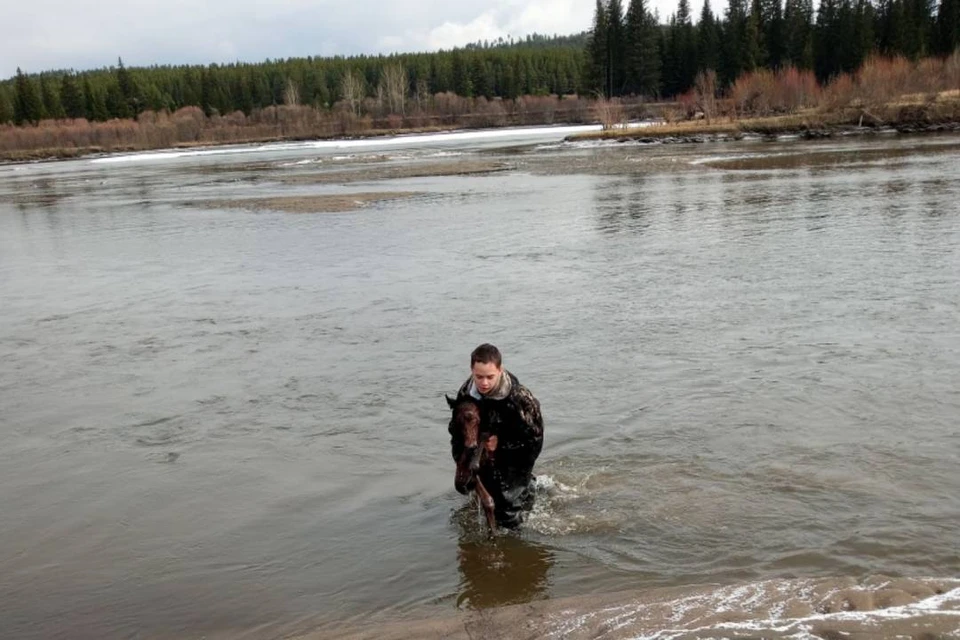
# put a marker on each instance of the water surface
(223, 421)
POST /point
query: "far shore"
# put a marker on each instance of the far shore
(930, 116)
(906, 116)
(72, 153)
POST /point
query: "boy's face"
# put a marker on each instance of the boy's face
(485, 376)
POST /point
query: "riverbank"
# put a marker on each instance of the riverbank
(941, 114)
(52, 154)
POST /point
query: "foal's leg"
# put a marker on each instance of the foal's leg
(486, 501)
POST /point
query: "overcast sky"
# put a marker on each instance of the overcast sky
(41, 35)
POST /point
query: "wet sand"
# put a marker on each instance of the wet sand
(328, 203)
(876, 607)
(398, 171)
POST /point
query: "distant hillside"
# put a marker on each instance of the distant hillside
(533, 41)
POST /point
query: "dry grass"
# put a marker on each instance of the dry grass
(884, 92)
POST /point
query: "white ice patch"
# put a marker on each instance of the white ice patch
(411, 140)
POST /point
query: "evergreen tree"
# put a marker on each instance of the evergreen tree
(864, 34)
(71, 97)
(116, 105)
(685, 48)
(642, 58)
(836, 45)
(670, 58)
(734, 46)
(891, 27)
(948, 27)
(50, 96)
(708, 40)
(27, 106)
(755, 52)
(616, 43)
(6, 105)
(96, 102)
(130, 93)
(771, 13)
(598, 78)
(798, 31)
(919, 28)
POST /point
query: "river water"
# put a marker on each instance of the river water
(222, 421)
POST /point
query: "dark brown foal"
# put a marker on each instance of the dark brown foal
(465, 425)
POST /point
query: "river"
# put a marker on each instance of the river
(231, 421)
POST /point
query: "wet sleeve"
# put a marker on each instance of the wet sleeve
(530, 422)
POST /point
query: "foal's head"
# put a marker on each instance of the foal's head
(465, 427)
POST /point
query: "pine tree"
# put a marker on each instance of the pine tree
(948, 26)
(642, 58)
(687, 47)
(771, 12)
(50, 94)
(598, 53)
(755, 52)
(891, 27)
(71, 97)
(670, 58)
(798, 31)
(864, 35)
(27, 107)
(834, 39)
(96, 103)
(616, 45)
(708, 40)
(734, 43)
(6, 105)
(130, 93)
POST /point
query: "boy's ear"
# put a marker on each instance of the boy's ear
(450, 401)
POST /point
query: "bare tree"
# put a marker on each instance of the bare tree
(423, 93)
(291, 95)
(352, 90)
(705, 86)
(395, 83)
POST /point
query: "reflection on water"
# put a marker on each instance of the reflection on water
(506, 569)
(233, 419)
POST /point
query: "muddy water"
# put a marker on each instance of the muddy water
(227, 420)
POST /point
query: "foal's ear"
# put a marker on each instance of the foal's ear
(450, 401)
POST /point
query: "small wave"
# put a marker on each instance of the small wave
(838, 607)
(563, 508)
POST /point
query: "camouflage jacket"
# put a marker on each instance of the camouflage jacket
(518, 424)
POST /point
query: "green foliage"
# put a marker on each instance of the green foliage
(948, 27)
(708, 40)
(626, 52)
(641, 34)
(6, 105)
(71, 98)
(27, 106)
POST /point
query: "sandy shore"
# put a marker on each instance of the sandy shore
(327, 203)
(398, 171)
(877, 607)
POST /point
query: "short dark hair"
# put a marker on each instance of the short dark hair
(485, 354)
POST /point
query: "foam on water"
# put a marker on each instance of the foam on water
(798, 609)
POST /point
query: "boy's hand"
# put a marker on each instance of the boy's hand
(492, 444)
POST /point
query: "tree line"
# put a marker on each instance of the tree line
(628, 51)
(121, 92)
(632, 52)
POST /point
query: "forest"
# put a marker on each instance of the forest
(628, 52)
